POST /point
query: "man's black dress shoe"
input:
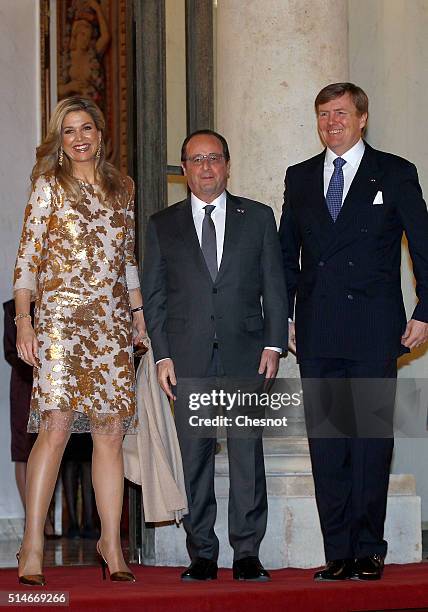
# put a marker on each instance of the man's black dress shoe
(250, 568)
(200, 569)
(339, 569)
(368, 568)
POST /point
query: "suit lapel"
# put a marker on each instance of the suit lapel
(314, 196)
(235, 219)
(366, 183)
(187, 230)
(363, 188)
(318, 199)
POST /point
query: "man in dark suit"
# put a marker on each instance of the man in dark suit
(344, 214)
(216, 306)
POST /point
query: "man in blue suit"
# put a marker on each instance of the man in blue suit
(344, 215)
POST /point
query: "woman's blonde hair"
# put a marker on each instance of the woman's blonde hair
(110, 180)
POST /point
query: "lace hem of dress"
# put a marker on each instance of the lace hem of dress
(80, 422)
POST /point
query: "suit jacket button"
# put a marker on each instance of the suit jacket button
(350, 263)
(350, 297)
(321, 263)
(214, 290)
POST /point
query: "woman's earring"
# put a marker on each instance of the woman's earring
(61, 157)
(98, 153)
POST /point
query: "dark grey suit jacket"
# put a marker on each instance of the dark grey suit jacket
(246, 306)
(345, 276)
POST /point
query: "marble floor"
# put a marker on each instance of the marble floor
(82, 552)
(57, 552)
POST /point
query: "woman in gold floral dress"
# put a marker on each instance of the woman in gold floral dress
(76, 258)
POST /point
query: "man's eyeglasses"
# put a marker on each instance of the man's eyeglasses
(211, 158)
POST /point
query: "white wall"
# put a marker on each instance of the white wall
(388, 58)
(19, 117)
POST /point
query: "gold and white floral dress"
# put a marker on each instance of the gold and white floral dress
(78, 261)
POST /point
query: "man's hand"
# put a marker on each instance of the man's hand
(416, 334)
(269, 363)
(292, 336)
(166, 376)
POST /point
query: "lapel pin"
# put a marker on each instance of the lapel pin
(240, 210)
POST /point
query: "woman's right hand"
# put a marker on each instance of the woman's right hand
(26, 343)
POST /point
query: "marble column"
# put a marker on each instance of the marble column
(272, 59)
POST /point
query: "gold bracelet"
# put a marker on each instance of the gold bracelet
(22, 315)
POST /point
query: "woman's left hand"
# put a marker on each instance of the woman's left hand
(139, 327)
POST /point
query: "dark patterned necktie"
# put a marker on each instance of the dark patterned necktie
(335, 189)
(209, 241)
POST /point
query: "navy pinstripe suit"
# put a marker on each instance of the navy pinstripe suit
(345, 292)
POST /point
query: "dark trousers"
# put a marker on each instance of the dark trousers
(247, 513)
(350, 465)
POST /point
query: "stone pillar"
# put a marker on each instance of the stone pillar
(388, 56)
(272, 59)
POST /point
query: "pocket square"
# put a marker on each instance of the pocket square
(378, 198)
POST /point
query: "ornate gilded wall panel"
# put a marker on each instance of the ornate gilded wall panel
(91, 60)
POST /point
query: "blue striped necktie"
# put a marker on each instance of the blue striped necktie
(335, 189)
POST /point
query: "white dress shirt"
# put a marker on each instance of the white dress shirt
(218, 216)
(353, 159)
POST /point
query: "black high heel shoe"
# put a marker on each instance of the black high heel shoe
(115, 576)
(30, 579)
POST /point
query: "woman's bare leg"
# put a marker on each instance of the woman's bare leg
(107, 479)
(21, 476)
(42, 473)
